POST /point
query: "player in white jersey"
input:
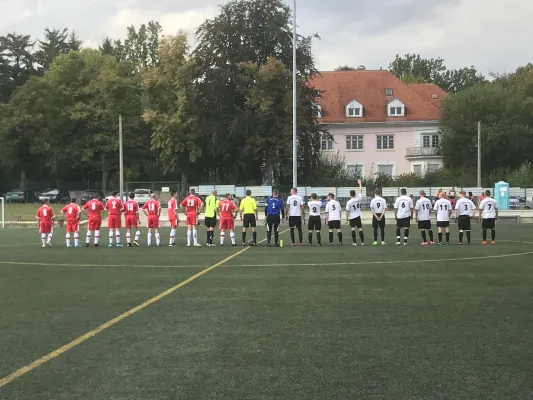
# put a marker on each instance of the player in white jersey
(488, 211)
(403, 212)
(314, 222)
(295, 207)
(378, 206)
(333, 218)
(443, 209)
(353, 214)
(464, 208)
(423, 216)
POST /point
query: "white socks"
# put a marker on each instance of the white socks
(43, 238)
(76, 239)
(157, 238)
(189, 235)
(232, 236)
(88, 237)
(172, 236)
(128, 237)
(96, 237)
(117, 236)
(149, 240)
(137, 235)
(195, 236)
(222, 236)
(68, 239)
(111, 236)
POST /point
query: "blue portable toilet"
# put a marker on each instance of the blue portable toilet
(501, 195)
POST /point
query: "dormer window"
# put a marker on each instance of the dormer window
(317, 112)
(396, 108)
(354, 109)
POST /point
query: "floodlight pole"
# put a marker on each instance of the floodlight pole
(121, 158)
(479, 154)
(294, 103)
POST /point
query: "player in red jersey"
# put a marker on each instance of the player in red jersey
(131, 213)
(45, 222)
(227, 211)
(71, 213)
(192, 205)
(152, 209)
(94, 208)
(114, 207)
(173, 218)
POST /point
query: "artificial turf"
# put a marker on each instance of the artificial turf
(289, 323)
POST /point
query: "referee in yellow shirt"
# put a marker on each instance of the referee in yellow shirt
(248, 208)
(211, 204)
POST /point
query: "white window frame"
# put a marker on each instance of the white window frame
(432, 142)
(327, 141)
(353, 105)
(358, 139)
(381, 137)
(386, 164)
(428, 164)
(396, 108)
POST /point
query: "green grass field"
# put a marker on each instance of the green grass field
(439, 322)
(26, 212)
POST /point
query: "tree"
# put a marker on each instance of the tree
(345, 68)
(140, 46)
(16, 62)
(170, 107)
(249, 32)
(507, 123)
(107, 47)
(55, 42)
(67, 119)
(412, 68)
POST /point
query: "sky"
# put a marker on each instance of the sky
(492, 35)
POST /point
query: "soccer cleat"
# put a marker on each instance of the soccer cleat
(383, 243)
(136, 243)
(424, 243)
(78, 246)
(362, 244)
(484, 242)
(354, 244)
(459, 243)
(234, 245)
(188, 245)
(301, 244)
(86, 244)
(331, 244)
(197, 245)
(96, 245)
(109, 245)
(254, 244)
(213, 245)
(129, 244)
(49, 244)
(119, 245)
(43, 246)
(405, 244)
(493, 242)
(440, 243)
(397, 244)
(293, 244)
(269, 245)
(431, 242)
(244, 245)
(69, 246)
(374, 244)
(158, 245)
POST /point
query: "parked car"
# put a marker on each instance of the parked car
(261, 202)
(125, 197)
(55, 196)
(20, 196)
(90, 194)
(142, 196)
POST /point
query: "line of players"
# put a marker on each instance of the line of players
(275, 207)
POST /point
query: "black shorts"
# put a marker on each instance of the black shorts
(334, 224)
(376, 223)
(295, 222)
(211, 222)
(443, 224)
(356, 222)
(488, 223)
(273, 222)
(463, 222)
(403, 222)
(424, 225)
(314, 223)
(248, 220)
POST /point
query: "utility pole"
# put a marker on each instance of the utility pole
(120, 158)
(479, 154)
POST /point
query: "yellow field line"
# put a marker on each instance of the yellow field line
(56, 353)
(63, 349)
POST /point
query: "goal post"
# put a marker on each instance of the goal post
(3, 208)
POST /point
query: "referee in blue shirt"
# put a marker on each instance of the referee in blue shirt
(274, 206)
